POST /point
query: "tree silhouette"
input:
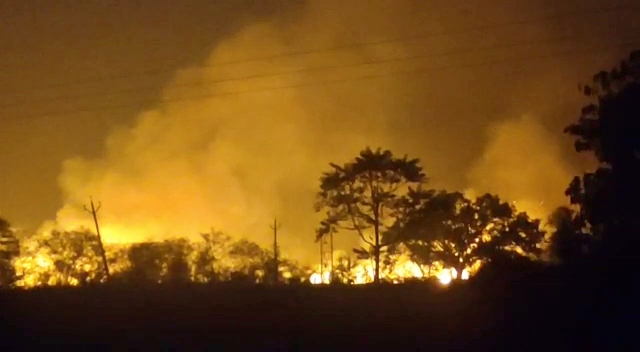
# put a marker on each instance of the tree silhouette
(569, 240)
(342, 269)
(118, 260)
(609, 128)
(178, 269)
(289, 271)
(159, 262)
(74, 255)
(458, 232)
(209, 255)
(364, 196)
(219, 258)
(146, 260)
(9, 249)
(249, 262)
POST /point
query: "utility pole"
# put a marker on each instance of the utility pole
(93, 211)
(331, 257)
(275, 227)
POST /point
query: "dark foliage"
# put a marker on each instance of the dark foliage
(609, 128)
(9, 249)
(449, 228)
(570, 241)
(366, 195)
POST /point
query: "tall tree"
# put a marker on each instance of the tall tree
(609, 128)
(456, 231)
(9, 249)
(365, 196)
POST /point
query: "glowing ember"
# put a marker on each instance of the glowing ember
(363, 272)
(445, 277)
(315, 279)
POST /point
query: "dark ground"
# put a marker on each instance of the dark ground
(542, 312)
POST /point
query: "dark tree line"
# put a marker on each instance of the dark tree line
(609, 129)
(459, 232)
(603, 219)
(73, 258)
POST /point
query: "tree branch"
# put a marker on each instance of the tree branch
(355, 226)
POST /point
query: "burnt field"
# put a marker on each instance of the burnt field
(545, 312)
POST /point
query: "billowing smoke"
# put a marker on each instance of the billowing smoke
(523, 163)
(228, 161)
(233, 154)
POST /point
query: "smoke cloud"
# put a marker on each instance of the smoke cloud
(523, 164)
(233, 154)
(228, 161)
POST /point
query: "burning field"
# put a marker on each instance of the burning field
(73, 258)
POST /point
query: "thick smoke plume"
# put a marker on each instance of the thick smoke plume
(231, 162)
(232, 155)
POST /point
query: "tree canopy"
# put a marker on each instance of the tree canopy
(609, 128)
(458, 232)
(569, 241)
(9, 249)
(365, 196)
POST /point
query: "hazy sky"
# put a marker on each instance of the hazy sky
(179, 118)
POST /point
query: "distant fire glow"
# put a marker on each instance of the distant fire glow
(39, 270)
(445, 277)
(316, 278)
(404, 269)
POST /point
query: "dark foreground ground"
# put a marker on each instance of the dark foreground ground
(547, 312)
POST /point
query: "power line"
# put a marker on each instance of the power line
(568, 39)
(422, 70)
(324, 83)
(617, 8)
(438, 14)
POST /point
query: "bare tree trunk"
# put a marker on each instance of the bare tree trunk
(376, 253)
(376, 248)
(421, 270)
(459, 269)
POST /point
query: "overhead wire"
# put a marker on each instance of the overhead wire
(142, 73)
(336, 81)
(570, 39)
(319, 68)
(315, 69)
